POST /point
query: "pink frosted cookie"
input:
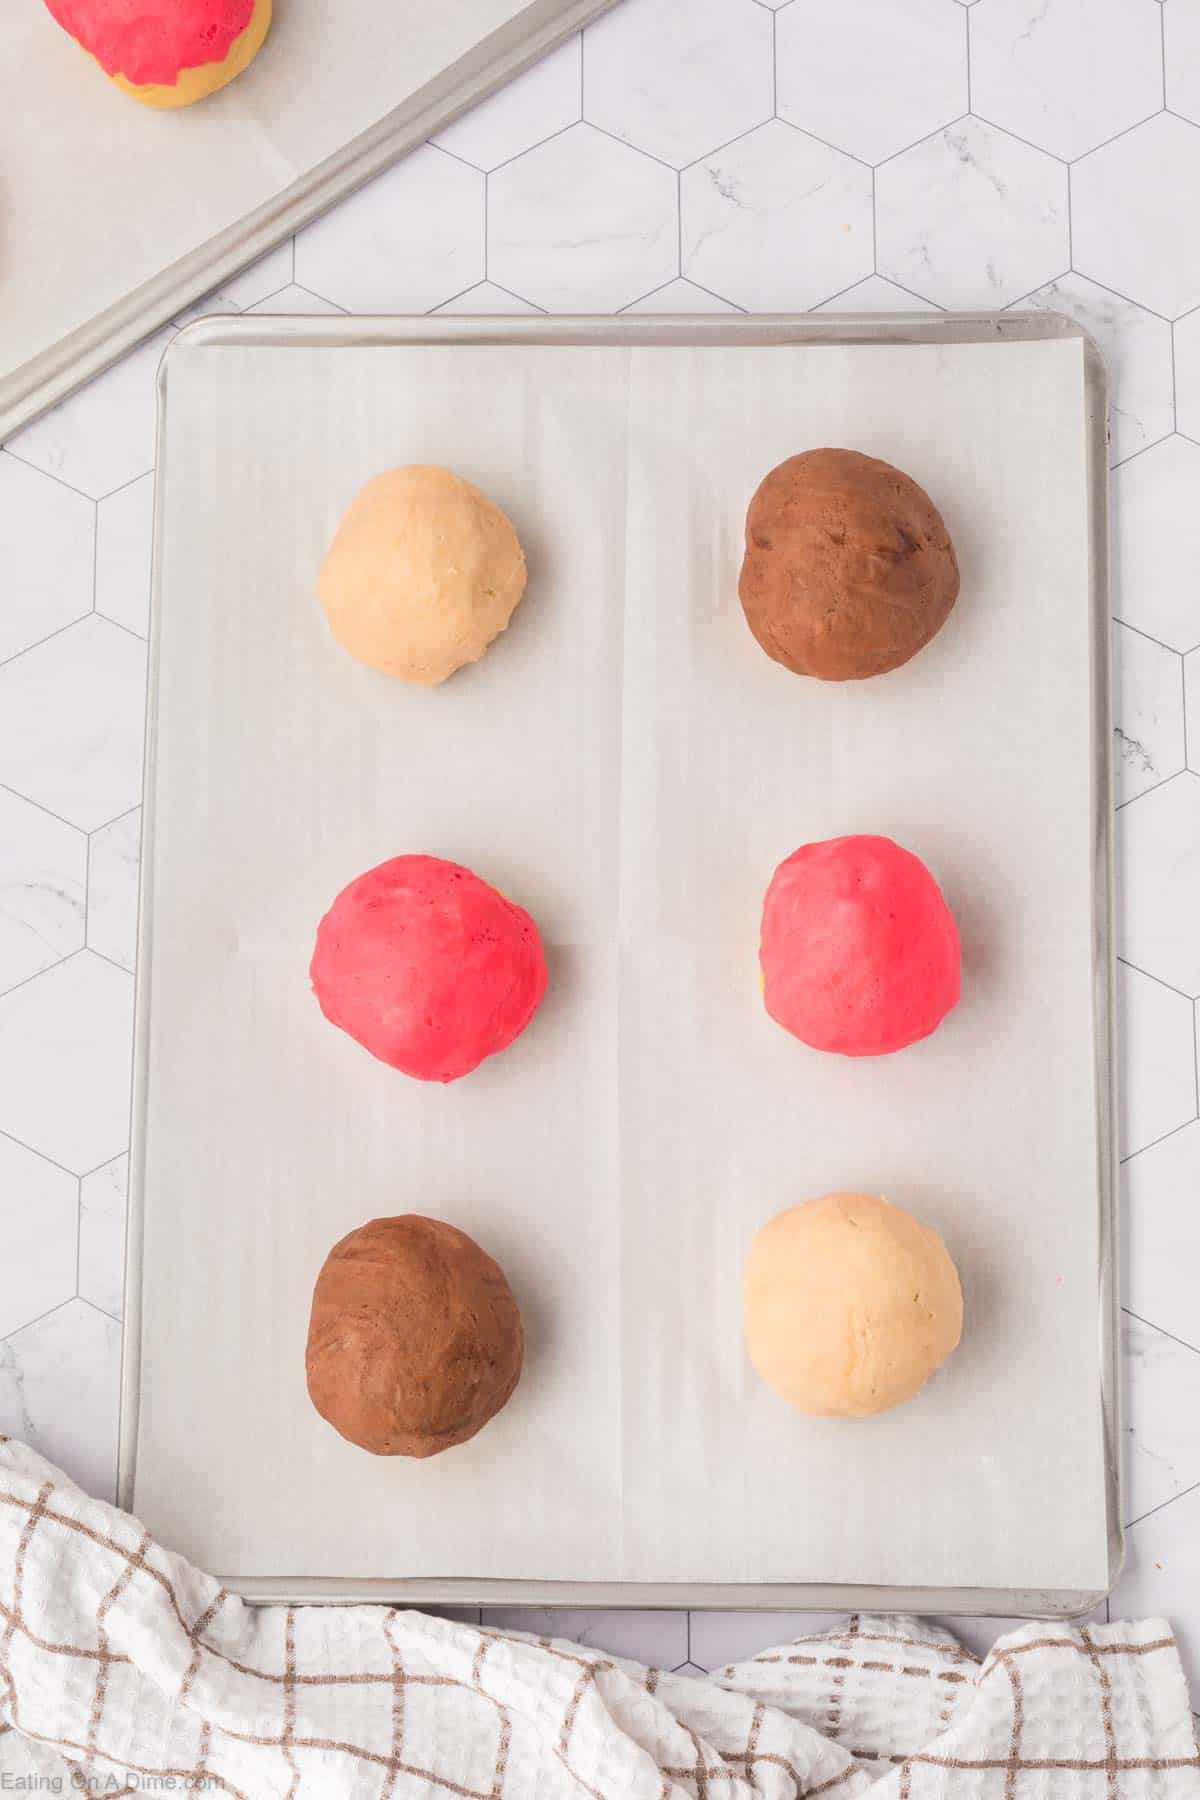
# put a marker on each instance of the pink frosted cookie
(427, 967)
(859, 950)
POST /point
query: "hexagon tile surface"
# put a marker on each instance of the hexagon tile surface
(582, 223)
(677, 77)
(776, 220)
(972, 217)
(695, 156)
(1066, 74)
(837, 63)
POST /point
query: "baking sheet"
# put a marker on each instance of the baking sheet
(628, 765)
(118, 217)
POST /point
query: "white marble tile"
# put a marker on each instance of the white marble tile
(1156, 543)
(1136, 346)
(295, 299)
(1187, 374)
(39, 1214)
(1162, 1229)
(42, 870)
(1158, 882)
(682, 297)
(71, 722)
(1161, 1446)
(721, 1638)
(248, 287)
(1161, 1578)
(972, 217)
(102, 1236)
(112, 891)
(404, 243)
(47, 545)
(1158, 1059)
(1191, 690)
(656, 1638)
(871, 76)
(1066, 74)
(582, 223)
(679, 77)
(1147, 712)
(776, 221)
(103, 436)
(1181, 43)
(65, 1046)
(875, 295)
(486, 297)
(124, 542)
(1133, 208)
(59, 1392)
(543, 100)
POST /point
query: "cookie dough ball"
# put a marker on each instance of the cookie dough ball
(422, 574)
(848, 569)
(415, 1340)
(427, 967)
(167, 53)
(859, 951)
(849, 1305)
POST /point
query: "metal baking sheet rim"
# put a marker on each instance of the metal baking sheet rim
(765, 330)
(35, 386)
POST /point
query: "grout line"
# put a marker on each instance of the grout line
(1070, 222)
(1156, 979)
(678, 225)
(127, 629)
(49, 638)
(1155, 1142)
(1196, 1053)
(102, 1310)
(1063, 161)
(87, 889)
(874, 229)
(1183, 685)
(116, 819)
(802, 131)
(1183, 1493)
(78, 1229)
(37, 974)
(530, 148)
(712, 292)
(487, 186)
(132, 482)
(926, 137)
(1174, 382)
(95, 550)
(50, 814)
(967, 39)
(7, 450)
(1136, 629)
(292, 248)
(41, 1154)
(1117, 135)
(30, 1323)
(513, 295)
(1165, 782)
(112, 963)
(1162, 40)
(774, 65)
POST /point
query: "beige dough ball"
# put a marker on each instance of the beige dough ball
(849, 1305)
(422, 574)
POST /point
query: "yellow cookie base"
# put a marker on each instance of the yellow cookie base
(197, 84)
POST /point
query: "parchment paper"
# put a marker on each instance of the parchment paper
(628, 765)
(99, 195)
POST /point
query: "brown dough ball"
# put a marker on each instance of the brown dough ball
(415, 1340)
(848, 569)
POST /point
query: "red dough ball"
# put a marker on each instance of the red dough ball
(859, 950)
(427, 967)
